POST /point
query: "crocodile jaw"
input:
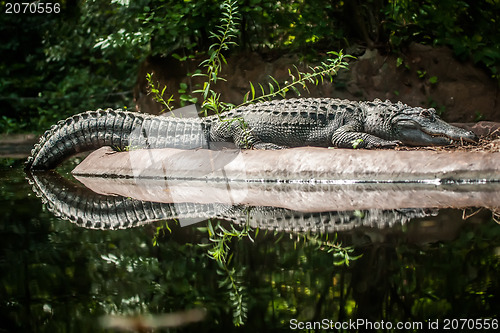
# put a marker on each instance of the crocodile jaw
(436, 133)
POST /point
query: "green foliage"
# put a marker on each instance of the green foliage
(160, 232)
(157, 94)
(327, 68)
(224, 36)
(51, 69)
(469, 27)
(185, 97)
(342, 255)
(356, 143)
(301, 26)
(172, 25)
(223, 240)
(230, 277)
(86, 56)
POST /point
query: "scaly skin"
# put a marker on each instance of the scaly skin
(320, 122)
(88, 209)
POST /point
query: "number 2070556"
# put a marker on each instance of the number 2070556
(32, 8)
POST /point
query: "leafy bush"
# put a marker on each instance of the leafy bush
(469, 27)
(52, 69)
(87, 55)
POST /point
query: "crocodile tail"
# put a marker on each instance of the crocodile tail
(116, 128)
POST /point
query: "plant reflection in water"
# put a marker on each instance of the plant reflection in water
(88, 209)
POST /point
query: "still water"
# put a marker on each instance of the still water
(234, 267)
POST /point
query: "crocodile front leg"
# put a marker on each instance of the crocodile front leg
(351, 136)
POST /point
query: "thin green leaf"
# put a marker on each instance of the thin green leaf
(262, 89)
(252, 89)
(271, 88)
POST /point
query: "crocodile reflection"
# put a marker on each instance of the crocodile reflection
(87, 209)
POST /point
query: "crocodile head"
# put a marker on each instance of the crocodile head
(413, 126)
(423, 127)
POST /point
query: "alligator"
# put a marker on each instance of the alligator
(87, 209)
(320, 122)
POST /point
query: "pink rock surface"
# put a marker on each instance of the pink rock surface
(306, 179)
(298, 164)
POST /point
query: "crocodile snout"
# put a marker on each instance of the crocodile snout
(459, 134)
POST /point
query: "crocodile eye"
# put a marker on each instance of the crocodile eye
(425, 113)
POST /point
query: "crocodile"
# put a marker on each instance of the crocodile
(87, 209)
(320, 122)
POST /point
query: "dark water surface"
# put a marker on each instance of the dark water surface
(59, 277)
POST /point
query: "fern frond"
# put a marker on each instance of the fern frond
(315, 75)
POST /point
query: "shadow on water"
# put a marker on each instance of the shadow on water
(135, 262)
